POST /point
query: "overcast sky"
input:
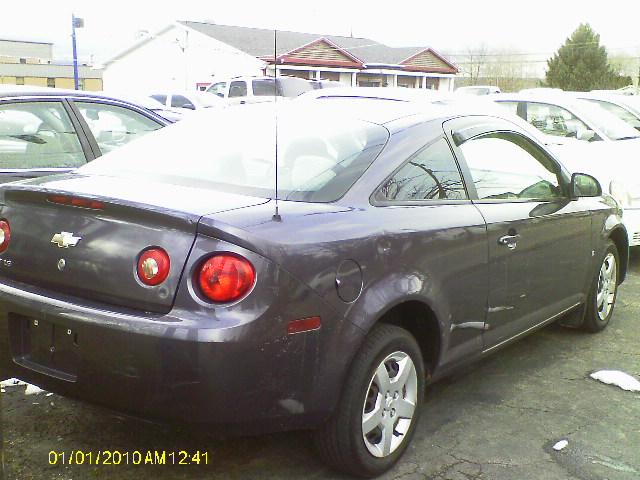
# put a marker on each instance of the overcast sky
(539, 26)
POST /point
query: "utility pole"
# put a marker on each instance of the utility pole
(75, 23)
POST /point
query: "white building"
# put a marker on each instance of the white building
(188, 55)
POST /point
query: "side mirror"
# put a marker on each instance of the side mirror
(189, 106)
(583, 185)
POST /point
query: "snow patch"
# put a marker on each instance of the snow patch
(617, 378)
(14, 382)
(32, 389)
(560, 445)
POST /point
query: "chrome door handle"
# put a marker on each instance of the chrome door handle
(511, 241)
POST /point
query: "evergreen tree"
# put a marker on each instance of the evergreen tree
(581, 64)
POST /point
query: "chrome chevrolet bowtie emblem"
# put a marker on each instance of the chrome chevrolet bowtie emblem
(65, 239)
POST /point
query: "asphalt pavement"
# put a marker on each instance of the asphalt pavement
(498, 419)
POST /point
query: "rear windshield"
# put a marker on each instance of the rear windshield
(319, 156)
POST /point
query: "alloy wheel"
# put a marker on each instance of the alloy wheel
(389, 404)
(607, 284)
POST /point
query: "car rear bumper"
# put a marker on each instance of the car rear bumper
(253, 376)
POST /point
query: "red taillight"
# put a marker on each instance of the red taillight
(226, 277)
(76, 202)
(5, 235)
(153, 266)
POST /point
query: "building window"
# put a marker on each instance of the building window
(19, 80)
(433, 83)
(51, 82)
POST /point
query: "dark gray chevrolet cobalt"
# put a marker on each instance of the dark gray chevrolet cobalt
(173, 279)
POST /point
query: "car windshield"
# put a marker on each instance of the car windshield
(319, 156)
(609, 124)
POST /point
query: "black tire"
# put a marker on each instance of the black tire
(340, 441)
(596, 318)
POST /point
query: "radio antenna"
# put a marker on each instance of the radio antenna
(276, 216)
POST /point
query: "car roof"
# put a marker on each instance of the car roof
(556, 98)
(376, 93)
(32, 91)
(385, 111)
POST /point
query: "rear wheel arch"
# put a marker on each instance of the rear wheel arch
(419, 319)
(619, 237)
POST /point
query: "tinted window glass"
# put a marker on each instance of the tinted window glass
(113, 126)
(38, 135)
(238, 89)
(505, 166)
(262, 88)
(432, 174)
(161, 98)
(318, 159)
(180, 101)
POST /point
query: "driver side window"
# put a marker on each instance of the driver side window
(507, 167)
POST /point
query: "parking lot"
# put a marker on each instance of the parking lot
(499, 419)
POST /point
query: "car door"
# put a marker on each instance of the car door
(238, 93)
(426, 209)
(39, 137)
(110, 126)
(539, 239)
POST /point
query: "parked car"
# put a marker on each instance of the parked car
(478, 90)
(241, 90)
(625, 107)
(46, 130)
(185, 102)
(196, 291)
(560, 114)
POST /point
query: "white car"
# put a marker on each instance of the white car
(185, 102)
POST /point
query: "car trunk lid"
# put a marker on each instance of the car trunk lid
(70, 241)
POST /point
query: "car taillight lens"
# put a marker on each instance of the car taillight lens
(153, 266)
(5, 235)
(225, 277)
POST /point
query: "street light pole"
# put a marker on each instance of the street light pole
(75, 23)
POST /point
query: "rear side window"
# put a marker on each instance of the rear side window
(113, 126)
(554, 120)
(38, 135)
(238, 89)
(432, 174)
